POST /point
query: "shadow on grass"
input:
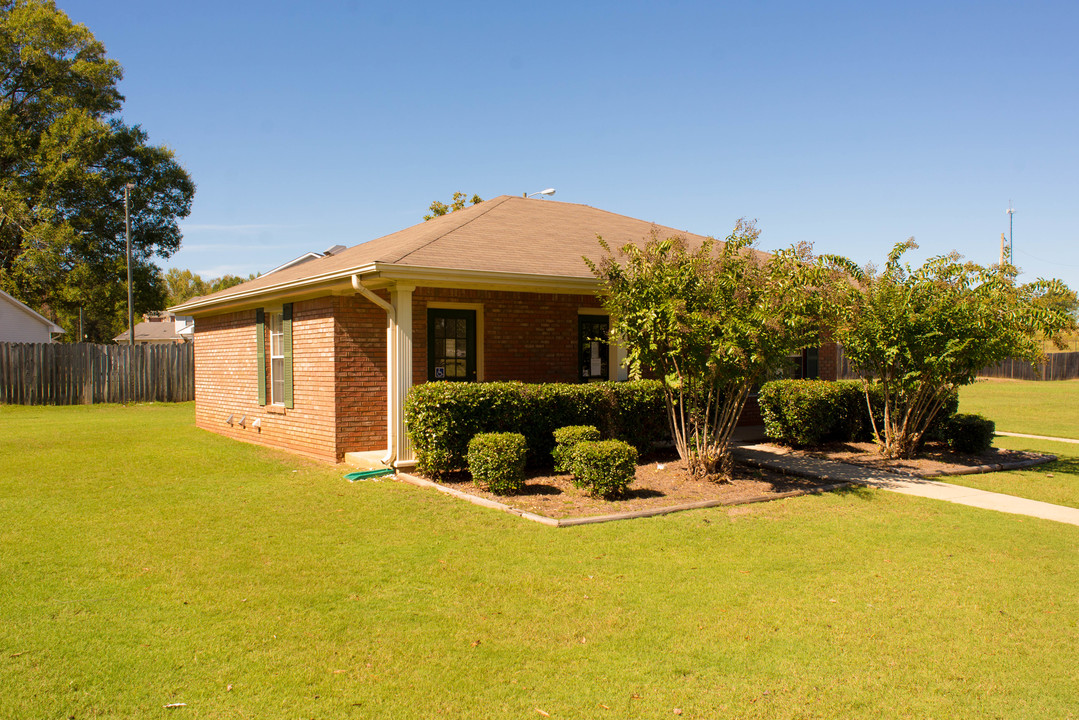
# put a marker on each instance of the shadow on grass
(858, 492)
(1068, 466)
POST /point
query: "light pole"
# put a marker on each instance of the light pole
(127, 233)
(548, 192)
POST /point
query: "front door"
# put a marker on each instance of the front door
(593, 350)
(451, 344)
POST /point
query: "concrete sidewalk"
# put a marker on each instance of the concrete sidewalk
(772, 457)
(1038, 437)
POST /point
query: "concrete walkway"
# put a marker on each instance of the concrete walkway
(774, 458)
(1038, 437)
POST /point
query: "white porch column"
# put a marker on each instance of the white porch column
(401, 299)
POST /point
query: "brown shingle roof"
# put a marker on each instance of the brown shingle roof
(504, 235)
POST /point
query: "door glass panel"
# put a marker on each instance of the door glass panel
(451, 344)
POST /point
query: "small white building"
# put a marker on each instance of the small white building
(18, 323)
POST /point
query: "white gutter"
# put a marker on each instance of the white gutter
(391, 367)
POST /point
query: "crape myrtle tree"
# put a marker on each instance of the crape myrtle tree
(438, 209)
(711, 323)
(65, 158)
(923, 332)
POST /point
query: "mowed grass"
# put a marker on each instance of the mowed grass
(1035, 408)
(1026, 406)
(144, 562)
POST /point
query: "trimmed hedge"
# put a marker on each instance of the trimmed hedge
(811, 412)
(969, 433)
(443, 416)
(605, 468)
(565, 439)
(497, 461)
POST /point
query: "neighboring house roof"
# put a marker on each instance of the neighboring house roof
(507, 235)
(307, 256)
(12, 305)
(155, 332)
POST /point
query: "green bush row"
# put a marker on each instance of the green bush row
(442, 417)
(811, 412)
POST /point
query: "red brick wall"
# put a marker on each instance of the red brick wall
(531, 337)
(360, 339)
(226, 381)
(828, 361)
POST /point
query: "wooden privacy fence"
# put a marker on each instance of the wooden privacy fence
(1057, 366)
(63, 374)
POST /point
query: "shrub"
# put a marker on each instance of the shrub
(565, 438)
(969, 433)
(442, 416)
(811, 412)
(603, 467)
(497, 461)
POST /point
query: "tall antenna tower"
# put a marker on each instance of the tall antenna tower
(1011, 221)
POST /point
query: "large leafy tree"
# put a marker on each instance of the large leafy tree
(712, 323)
(182, 285)
(923, 332)
(65, 158)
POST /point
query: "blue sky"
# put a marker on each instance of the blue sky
(853, 125)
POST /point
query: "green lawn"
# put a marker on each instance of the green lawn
(1026, 406)
(144, 562)
(1055, 482)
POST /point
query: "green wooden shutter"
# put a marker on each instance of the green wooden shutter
(286, 341)
(260, 330)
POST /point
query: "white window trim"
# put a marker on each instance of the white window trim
(277, 318)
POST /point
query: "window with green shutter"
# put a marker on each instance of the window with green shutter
(275, 335)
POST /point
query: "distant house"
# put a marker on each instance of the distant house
(160, 329)
(318, 357)
(18, 323)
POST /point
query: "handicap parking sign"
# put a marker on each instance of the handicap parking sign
(440, 373)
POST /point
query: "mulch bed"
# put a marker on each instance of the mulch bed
(661, 481)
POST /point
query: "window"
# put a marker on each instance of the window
(593, 348)
(804, 364)
(277, 358)
(274, 337)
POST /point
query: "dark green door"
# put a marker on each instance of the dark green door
(451, 344)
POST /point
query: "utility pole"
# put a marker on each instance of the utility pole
(1011, 217)
(127, 232)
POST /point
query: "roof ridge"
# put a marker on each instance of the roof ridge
(501, 199)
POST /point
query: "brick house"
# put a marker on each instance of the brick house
(317, 358)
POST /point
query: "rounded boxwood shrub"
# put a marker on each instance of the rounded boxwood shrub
(565, 438)
(971, 434)
(604, 468)
(497, 461)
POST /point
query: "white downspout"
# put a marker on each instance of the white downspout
(391, 367)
